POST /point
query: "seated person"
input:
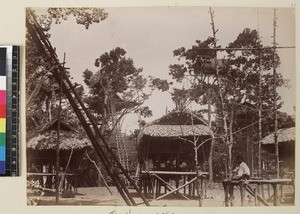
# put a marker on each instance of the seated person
(243, 171)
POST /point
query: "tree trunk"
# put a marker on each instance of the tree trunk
(219, 82)
(103, 127)
(252, 152)
(210, 158)
(210, 161)
(57, 180)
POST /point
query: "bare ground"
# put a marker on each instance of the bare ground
(101, 196)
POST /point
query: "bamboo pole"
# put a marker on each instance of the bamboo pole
(275, 97)
(210, 158)
(259, 116)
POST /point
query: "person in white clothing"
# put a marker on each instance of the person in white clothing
(243, 171)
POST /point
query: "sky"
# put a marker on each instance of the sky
(150, 34)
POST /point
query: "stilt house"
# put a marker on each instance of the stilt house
(41, 152)
(170, 146)
(286, 146)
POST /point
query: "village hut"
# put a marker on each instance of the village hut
(286, 146)
(41, 151)
(167, 146)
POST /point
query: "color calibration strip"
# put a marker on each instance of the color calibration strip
(12, 110)
(9, 110)
(2, 110)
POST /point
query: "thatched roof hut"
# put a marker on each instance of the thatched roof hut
(286, 145)
(41, 149)
(169, 141)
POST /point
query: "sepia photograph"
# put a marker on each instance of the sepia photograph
(160, 106)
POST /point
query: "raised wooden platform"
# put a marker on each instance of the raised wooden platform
(67, 180)
(247, 185)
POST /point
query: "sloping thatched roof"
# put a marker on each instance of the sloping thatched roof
(176, 130)
(68, 141)
(176, 124)
(47, 138)
(284, 135)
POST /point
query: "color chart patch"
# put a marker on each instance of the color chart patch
(2, 110)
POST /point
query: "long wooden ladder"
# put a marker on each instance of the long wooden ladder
(103, 150)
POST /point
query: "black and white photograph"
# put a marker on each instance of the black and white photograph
(175, 106)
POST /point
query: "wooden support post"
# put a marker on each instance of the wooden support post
(281, 192)
(140, 182)
(263, 191)
(158, 187)
(242, 190)
(194, 188)
(190, 187)
(154, 187)
(275, 188)
(144, 183)
(258, 192)
(205, 187)
(165, 188)
(200, 190)
(226, 191)
(255, 197)
(269, 194)
(184, 180)
(177, 183)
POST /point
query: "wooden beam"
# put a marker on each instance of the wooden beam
(251, 191)
(174, 173)
(271, 181)
(47, 174)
